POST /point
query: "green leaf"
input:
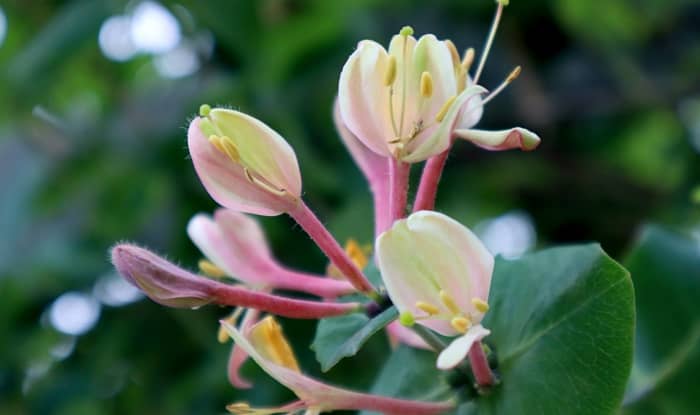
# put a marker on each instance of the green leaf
(562, 323)
(665, 267)
(340, 337)
(411, 374)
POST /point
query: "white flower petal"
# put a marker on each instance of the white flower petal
(459, 348)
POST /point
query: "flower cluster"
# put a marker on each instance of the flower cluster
(396, 107)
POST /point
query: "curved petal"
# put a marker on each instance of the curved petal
(456, 351)
(364, 98)
(436, 139)
(226, 181)
(239, 355)
(234, 243)
(428, 253)
(372, 165)
(325, 397)
(501, 140)
(261, 148)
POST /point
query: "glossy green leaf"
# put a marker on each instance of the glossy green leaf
(340, 337)
(562, 323)
(665, 267)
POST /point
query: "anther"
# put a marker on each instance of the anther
(453, 52)
(208, 268)
(468, 59)
(204, 110)
(428, 308)
(480, 305)
(514, 74)
(426, 84)
(461, 324)
(390, 75)
(445, 107)
(406, 31)
(216, 141)
(449, 302)
(230, 148)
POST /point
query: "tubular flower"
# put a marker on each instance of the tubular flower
(266, 344)
(170, 285)
(404, 102)
(235, 246)
(438, 274)
(243, 163)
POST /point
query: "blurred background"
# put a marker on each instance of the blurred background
(95, 96)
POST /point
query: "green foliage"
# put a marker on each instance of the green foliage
(562, 323)
(665, 267)
(340, 337)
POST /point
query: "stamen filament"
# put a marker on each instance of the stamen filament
(489, 41)
(512, 76)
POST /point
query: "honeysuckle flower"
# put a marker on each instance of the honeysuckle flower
(244, 164)
(236, 245)
(266, 344)
(404, 102)
(170, 285)
(438, 274)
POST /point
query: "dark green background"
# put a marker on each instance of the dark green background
(93, 152)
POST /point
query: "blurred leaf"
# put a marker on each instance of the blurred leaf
(562, 323)
(340, 337)
(410, 374)
(665, 267)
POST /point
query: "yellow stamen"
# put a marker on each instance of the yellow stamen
(461, 324)
(222, 335)
(468, 59)
(210, 269)
(514, 74)
(480, 305)
(356, 253)
(449, 302)
(230, 148)
(445, 107)
(426, 84)
(428, 308)
(390, 75)
(269, 339)
(453, 52)
(216, 142)
(243, 408)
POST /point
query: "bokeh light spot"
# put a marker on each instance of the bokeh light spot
(3, 26)
(74, 313)
(154, 29)
(115, 39)
(115, 291)
(509, 235)
(179, 62)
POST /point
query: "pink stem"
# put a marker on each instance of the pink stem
(325, 241)
(427, 189)
(382, 210)
(363, 401)
(398, 190)
(287, 279)
(480, 365)
(230, 295)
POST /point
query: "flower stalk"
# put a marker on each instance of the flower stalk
(327, 243)
(398, 190)
(429, 181)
